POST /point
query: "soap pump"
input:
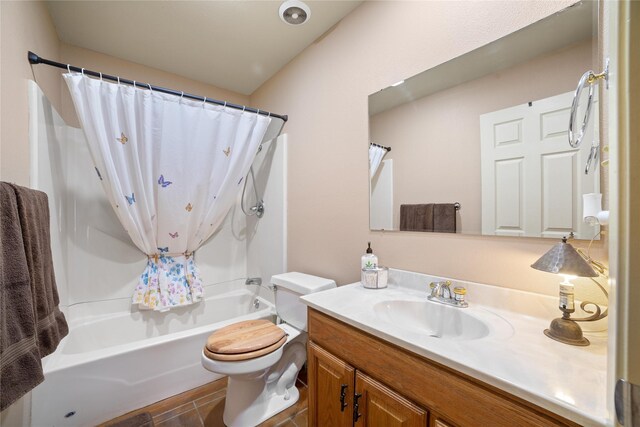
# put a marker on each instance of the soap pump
(369, 260)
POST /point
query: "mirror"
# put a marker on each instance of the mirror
(479, 144)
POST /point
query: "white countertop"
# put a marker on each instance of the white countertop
(515, 357)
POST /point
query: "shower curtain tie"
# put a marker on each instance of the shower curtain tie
(156, 256)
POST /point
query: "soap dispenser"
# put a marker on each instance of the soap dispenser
(369, 260)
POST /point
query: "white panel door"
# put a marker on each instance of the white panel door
(532, 180)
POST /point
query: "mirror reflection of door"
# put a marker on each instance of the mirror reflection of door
(532, 180)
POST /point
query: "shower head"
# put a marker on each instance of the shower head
(294, 12)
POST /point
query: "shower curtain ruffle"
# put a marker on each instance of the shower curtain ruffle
(169, 281)
(171, 169)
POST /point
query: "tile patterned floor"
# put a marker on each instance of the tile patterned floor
(203, 406)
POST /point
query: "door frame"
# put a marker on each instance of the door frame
(624, 243)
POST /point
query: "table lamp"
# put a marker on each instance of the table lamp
(563, 259)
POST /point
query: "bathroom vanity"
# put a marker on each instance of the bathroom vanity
(383, 358)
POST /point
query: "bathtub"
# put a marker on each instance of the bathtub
(110, 364)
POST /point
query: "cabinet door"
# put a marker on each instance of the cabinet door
(379, 406)
(436, 421)
(329, 379)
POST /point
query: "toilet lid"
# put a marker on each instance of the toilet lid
(244, 340)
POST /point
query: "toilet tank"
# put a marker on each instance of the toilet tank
(290, 287)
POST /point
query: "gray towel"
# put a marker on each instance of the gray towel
(20, 367)
(416, 217)
(31, 322)
(444, 218)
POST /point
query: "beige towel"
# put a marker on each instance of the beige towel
(31, 322)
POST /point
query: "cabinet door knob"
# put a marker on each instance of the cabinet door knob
(356, 413)
(343, 394)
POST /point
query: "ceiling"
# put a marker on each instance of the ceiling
(233, 44)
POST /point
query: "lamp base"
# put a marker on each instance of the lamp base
(566, 331)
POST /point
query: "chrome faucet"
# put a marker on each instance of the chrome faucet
(441, 292)
(253, 281)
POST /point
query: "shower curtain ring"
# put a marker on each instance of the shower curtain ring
(134, 84)
(204, 101)
(258, 112)
(69, 68)
(225, 104)
(118, 80)
(83, 71)
(244, 107)
(100, 76)
(181, 96)
(150, 88)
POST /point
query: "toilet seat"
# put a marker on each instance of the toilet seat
(244, 340)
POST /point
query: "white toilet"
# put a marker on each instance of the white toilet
(261, 359)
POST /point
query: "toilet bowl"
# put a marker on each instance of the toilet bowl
(262, 359)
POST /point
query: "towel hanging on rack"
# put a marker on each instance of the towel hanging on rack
(31, 323)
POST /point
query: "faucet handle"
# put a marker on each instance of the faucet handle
(434, 286)
(459, 293)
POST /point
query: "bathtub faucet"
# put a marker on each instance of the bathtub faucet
(253, 281)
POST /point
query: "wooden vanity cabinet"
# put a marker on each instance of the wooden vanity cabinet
(331, 383)
(379, 406)
(341, 396)
(437, 422)
(395, 387)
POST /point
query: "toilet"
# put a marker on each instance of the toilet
(262, 359)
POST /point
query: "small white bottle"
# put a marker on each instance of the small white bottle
(567, 302)
(369, 260)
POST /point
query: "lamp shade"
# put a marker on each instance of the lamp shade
(562, 258)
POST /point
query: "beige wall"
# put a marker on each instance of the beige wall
(435, 140)
(25, 25)
(92, 60)
(324, 90)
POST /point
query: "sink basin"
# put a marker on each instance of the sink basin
(433, 319)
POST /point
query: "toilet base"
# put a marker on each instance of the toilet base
(249, 406)
(259, 388)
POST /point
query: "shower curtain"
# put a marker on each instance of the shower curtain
(171, 169)
(375, 157)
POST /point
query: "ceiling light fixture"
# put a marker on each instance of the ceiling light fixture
(294, 12)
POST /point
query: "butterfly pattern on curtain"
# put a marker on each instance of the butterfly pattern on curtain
(171, 170)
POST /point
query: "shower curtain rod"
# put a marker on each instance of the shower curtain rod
(381, 146)
(35, 59)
